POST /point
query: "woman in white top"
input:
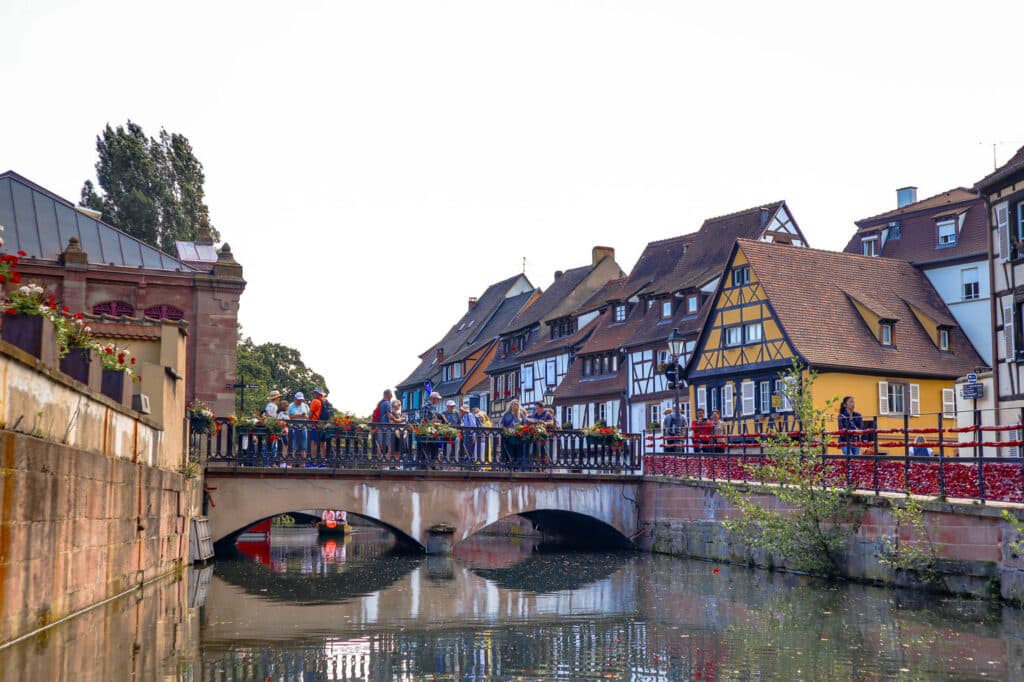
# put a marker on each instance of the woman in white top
(271, 409)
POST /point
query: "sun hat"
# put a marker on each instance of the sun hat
(435, 394)
(318, 390)
(464, 408)
(450, 403)
(274, 395)
(299, 396)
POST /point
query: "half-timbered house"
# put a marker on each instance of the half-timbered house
(415, 388)
(534, 351)
(683, 274)
(873, 328)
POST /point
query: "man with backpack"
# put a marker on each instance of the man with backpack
(319, 410)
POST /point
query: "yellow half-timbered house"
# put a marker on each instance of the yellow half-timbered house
(873, 328)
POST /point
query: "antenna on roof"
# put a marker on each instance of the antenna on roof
(995, 165)
(524, 265)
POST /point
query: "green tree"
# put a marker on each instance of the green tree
(272, 366)
(152, 188)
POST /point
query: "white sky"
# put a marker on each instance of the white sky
(373, 164)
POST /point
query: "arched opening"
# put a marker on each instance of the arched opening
(114, 309)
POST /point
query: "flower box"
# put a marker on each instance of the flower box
(116, 384)
(34, 334)
(80, 365)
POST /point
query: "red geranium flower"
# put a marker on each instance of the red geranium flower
(22, 254)
(16, 277)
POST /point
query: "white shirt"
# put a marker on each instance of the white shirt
(271, 409)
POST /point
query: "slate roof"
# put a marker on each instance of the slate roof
(40, 223)
(918, 242)
(809, 289)
(498, 322)
(575, 386)
(462, 332)
(613, 290)
(549, 300)
(1004, 172)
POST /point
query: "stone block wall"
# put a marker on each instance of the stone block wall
(77, 527)
(972, 541)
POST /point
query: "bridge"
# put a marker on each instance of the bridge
(432, 493)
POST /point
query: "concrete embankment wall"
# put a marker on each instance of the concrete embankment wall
(971, 541)
(92, 499)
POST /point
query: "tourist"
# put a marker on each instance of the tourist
(513, 416)
(315, 407)
(702, 428)
(450, 416)
(541, 415)
(271, 408)
(383, 410)
(299, 440)
(430, 411)
(849, 420)
(482, 418)
(397, 417)
(673, 427)
(719, 432)
(919, 448)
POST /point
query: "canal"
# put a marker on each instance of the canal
(304, 607)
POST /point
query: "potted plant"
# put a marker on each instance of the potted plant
(201, 418)
(567, 426)
(653, 426)
(118, 374)
(604, 435)
(28, 323)
(78, 358)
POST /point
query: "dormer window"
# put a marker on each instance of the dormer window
(947, 232)
(666, 309)
(741, 276)
(869, 246)
(620, 312)
(943, 339)
(885, 333)
(692, 304)
(894, 231)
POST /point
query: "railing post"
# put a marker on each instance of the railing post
(906, 452)
(874, 457)
(942, 460)
(980, 462)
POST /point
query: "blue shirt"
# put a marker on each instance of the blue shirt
(384, 407)
(508, 420)
(469, 420)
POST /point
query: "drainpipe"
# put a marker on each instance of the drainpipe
(992, 303)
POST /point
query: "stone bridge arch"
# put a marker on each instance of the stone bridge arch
(410, 503)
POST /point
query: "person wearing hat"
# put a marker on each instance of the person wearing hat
(299, 436)
(450, 416)
(271, 408)
(316, 414)
(429, 413)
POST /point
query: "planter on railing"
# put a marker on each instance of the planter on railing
(81, 365)
(116, 384)
(33, 334)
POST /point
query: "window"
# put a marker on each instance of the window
(164, 312)
(869, 246)
(893, 231)
(781, 387)
(527, 372)
(766, 398)
(885, 333)
(654, 413)
(734, 336)
(741, 276)
(702, 399)
(891, 397)
(666, 309)
(601, 412)
(550, 372)
(943, 339)
(947, 232)
(567, 414)
(970, 287)
(588, 366)
(620, 312)
(752, 332)
(692, 304)
(113, 308)
(948, 403)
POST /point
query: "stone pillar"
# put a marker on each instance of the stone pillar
(440, 539)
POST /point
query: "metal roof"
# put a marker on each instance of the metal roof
(40, 223)
(197, 252)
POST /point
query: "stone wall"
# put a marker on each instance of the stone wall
(971, 540)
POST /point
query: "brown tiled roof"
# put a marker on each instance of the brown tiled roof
(551, 298)
(497, 323)
(808, 291)
(611, 291)
(954, 196)
(993, 179)
(575, 386)
(544, 345)
(918, 242)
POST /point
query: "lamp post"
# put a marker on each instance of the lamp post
(676, 347)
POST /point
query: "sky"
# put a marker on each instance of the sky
(374, 164)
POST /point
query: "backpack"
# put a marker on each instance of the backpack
(376, 414)
(326, 410)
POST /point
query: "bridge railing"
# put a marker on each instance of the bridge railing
(394, 446)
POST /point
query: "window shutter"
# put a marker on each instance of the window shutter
(611, 413)
(883, 397)
(702, 399)
(1008, 333)
(1003, 228)
(727, 410)
(948, 403)
(915, 400)
(747, 389)
(1013, 450)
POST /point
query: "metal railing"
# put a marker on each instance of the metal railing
(973, 458)
(308, 444)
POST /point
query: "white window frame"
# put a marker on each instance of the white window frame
(883, 397)
(949, 403)
(1009, 336)
(666, 309)
(729, 341)
(869, 246)
(970, 290)
(896, 398)
(1002, 221)
(654, 413)
(692, 304)
(741, 276)
(620, 312)
(946, 234)
(702, 399)
(915, 400)
(601, 412)
(727, 402)
(748, 337)
(785, 404)
(766, 397)
(526, 376)
(885, 333)
(943, 339)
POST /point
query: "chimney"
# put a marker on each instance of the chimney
(472, 302)
(440, 355)
(600, 252)
(906, 196)
(558, 273)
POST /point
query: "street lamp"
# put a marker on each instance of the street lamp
(549, 395)
(676, 347)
